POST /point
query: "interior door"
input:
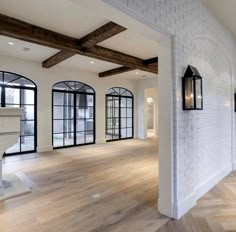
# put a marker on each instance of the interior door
(85, 124)
(112, 118)
(24, 98)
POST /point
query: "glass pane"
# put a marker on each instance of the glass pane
(58, 98)
(127, 93)
(123, 112)
(27, 143)
(15, 148)
(86, 89)
(58, 126)
(89, 124)
(69, 139)
(90, 100)
(129, 112)
(129, 122)
(116, 134)
(68, 125)
(68, 99)
(189, 97)
(9, 78)
(80, 113)
(123, 102)
(129, 133)
(22, 82)
(0, 94)
(58, 140)
(123, 122)
(198, 85)
(80, 137)
(89, 112)
(12, 96)
(89, 137)
(27, 96)
(27, 127)
(80, 125)
(28, 112)
(61, 86)
(81, 100)
(129, 102)
(123, 133)
(60, 112)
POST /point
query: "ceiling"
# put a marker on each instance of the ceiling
(224, 11)
(71, 19)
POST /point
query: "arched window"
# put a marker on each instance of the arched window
(119, 114)
(19, 91)
(73, 114)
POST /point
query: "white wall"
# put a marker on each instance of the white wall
(203, 140)
(46, 78)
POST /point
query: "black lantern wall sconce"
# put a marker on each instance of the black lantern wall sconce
(192, 89)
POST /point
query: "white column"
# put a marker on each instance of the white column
(100, 117)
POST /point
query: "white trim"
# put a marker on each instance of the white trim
(191, 200)
(44, 149)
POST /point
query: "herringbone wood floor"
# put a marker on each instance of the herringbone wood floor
(215, 211)
(105, 188)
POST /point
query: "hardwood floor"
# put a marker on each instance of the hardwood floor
(215, 211)
(102, 188)
(105, 188)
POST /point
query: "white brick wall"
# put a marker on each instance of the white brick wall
(203, 137)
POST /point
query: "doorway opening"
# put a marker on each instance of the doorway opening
(151, 112)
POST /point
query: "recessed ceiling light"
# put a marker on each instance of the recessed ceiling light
(10, 43)
(26, 49)
(137, 73)
(91, 62)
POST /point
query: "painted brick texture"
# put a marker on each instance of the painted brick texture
(203, 137)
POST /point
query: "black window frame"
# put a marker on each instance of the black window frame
(5, 86)
(75, 92)
(119, 95)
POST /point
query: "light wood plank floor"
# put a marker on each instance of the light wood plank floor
(99, 188)
(105, 188)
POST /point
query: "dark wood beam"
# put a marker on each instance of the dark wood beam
(102, 33)
(115, 71)
(24, 31)
(151, 62)
(57, 58)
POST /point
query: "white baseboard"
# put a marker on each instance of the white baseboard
(184, 206)
(98, 141)
(44, 149)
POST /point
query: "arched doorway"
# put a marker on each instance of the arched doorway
(19, 91)
(73, 114)
(119, 114)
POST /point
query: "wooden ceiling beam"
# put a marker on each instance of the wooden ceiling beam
(151, 62)
(102, 33)
(24, 31)
(115, 71)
